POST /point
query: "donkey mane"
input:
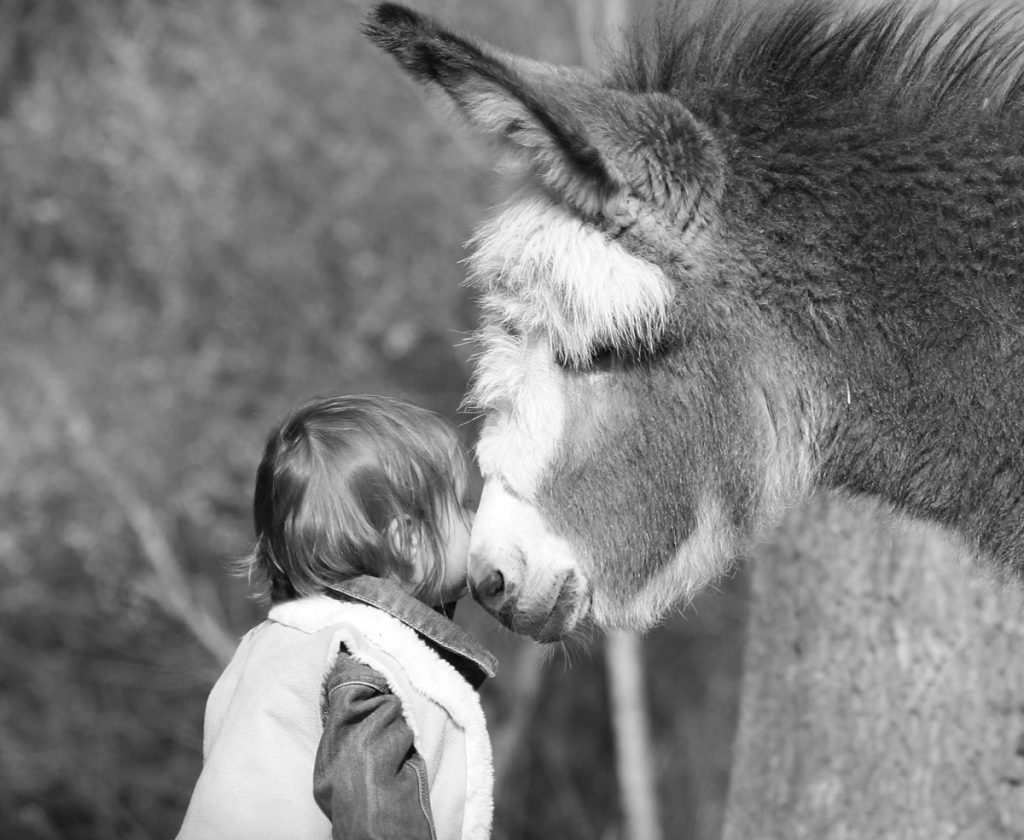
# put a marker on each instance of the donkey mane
(799, 63)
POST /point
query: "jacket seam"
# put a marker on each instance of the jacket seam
(419, 767)
(380, 688)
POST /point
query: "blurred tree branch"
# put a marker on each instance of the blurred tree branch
(633, 754)
(597, 21)
(171, 590)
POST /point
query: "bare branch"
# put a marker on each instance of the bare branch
(597, 21)
(633, 753)
(172, 591)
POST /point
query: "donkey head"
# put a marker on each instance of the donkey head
(633, 434)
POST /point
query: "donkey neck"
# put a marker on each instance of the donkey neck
(900, 268)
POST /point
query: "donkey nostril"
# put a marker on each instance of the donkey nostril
(491, 586)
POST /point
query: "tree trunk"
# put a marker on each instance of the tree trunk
(883, 688)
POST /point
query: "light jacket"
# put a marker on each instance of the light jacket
(263, 725)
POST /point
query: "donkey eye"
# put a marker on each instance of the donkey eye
(601, 357)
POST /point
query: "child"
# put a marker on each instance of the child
(352, 710)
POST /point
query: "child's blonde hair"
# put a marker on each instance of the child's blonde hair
(334, 477)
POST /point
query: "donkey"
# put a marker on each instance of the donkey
(758, 255)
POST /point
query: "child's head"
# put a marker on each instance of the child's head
(360, 485)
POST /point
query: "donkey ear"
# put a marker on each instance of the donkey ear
(523, 104)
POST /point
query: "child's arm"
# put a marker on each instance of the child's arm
(369, 779)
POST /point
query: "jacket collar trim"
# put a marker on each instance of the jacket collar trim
(389, 597)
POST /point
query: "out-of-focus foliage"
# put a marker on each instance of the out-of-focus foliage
(209, 211)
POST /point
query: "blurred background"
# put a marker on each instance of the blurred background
(208, 212)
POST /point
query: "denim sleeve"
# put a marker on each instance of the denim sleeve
(368, 778)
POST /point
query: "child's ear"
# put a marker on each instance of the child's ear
(403, 535)
(405, 541)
